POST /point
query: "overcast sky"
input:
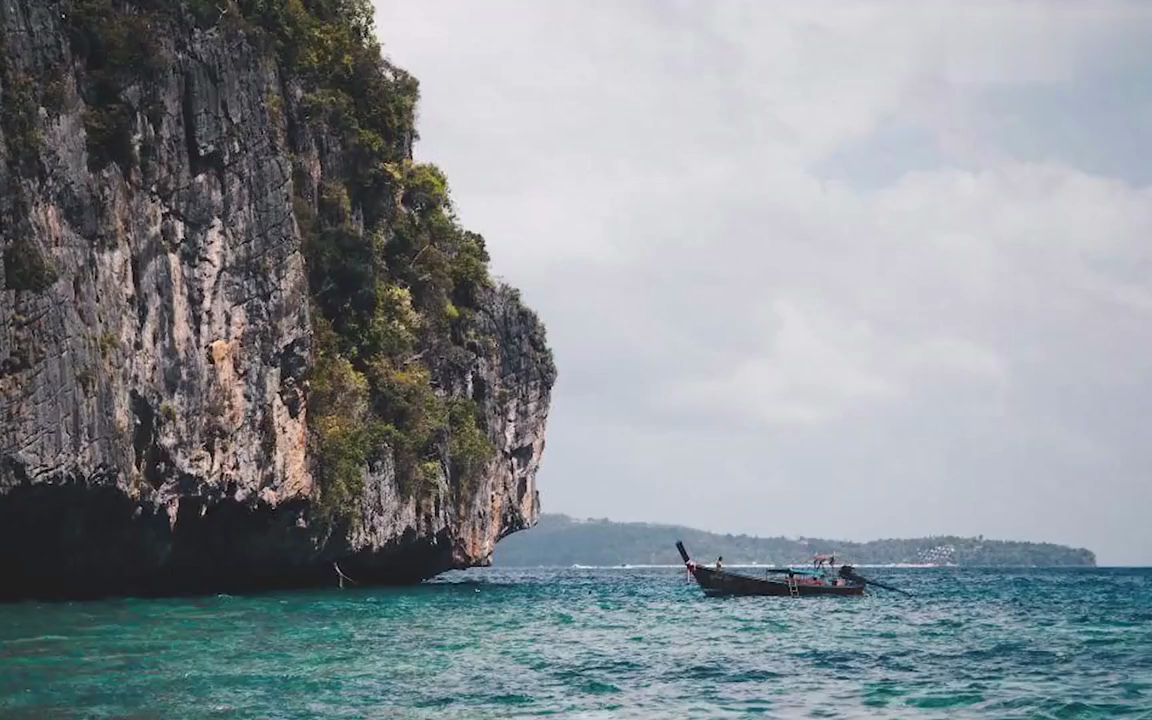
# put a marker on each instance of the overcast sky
(825, 269)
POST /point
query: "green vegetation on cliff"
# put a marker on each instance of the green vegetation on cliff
(561, 540)
(18, 116)
(26, 268)
(395, 281)
(394, 278)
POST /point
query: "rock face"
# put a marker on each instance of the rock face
(157, 336)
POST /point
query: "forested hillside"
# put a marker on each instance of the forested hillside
(561, 540)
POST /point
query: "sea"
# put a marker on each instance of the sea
(597, 643)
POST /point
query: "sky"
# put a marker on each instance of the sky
(847, 270)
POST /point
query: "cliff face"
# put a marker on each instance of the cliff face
(215, 283)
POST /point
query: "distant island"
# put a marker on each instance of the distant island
(559, 540)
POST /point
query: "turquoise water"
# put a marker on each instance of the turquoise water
(639, 643)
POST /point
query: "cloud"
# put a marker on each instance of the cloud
(892, 261)
(812, 367)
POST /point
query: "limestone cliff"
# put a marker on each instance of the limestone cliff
(241, 335)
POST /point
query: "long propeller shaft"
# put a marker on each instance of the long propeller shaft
(860, 578)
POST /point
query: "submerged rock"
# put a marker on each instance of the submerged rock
(158, 320)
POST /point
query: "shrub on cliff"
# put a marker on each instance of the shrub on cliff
(118, 46)
(26, 267)
(347, 437)
(18, 121)
(468, 447)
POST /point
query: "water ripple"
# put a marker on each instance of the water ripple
(570, 643)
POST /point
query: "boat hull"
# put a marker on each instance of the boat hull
(721, 582)
(715, 581)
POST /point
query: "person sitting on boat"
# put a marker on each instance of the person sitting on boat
(720, 563)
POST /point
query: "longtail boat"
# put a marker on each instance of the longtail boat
(823, 578)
